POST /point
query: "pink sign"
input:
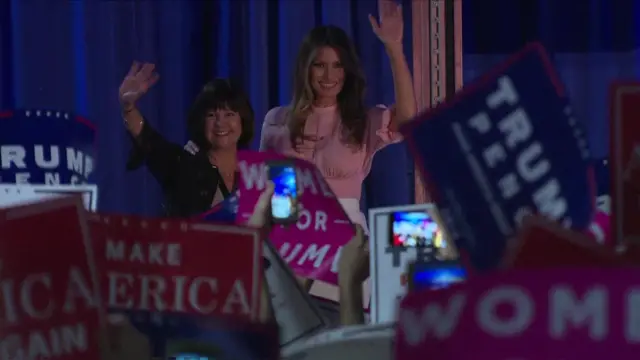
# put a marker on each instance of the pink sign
(551, 314)
(311, 247)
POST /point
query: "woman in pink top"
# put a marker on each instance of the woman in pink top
(327, 122)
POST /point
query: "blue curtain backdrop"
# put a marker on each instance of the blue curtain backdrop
(592, 42)
(72, 55)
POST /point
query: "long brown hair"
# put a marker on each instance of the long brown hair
(350, 99)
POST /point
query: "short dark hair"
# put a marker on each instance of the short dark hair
(220, 94)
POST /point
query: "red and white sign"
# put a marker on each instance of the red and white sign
(544, 243)
(311, 247)
(389, 264)
(525, 314)
(625, 161)
(163, 265)
(48, 307)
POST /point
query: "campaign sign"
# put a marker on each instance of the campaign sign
(541, 243)
(46, 147)
(49, 307)
(294, 310)
(504, 147)
(16, 194)
(312, 245)
(587, 313)
(625, 161)
(161, 265)
(224, 212)
(389, 263)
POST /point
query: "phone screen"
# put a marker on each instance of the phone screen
(193, 350)
(218, 339)
(415, 229)
(283, 201)
(190, 357)
(436, 274)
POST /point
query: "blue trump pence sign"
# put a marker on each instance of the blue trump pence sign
(502, 148)
(45, 147)
(225, 212)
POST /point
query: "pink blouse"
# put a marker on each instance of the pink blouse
(344, 167)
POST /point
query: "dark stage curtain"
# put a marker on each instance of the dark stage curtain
(592, 42)
(72, 55)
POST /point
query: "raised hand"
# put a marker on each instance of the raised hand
(191, 148)
(137, 82)
(261, 217)
(390, 28)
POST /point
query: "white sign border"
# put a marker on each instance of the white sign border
(58, 189)
(374, 215)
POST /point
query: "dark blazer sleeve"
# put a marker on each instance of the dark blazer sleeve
(161, 157)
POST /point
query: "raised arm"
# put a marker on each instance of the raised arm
(353, 270)
(136, 83)
(390, 30)
(149, 147)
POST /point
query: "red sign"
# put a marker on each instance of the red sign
(48, 307)
(625, 161)
(174, 266)
(586, 313)
(544, 243)
(311, 247)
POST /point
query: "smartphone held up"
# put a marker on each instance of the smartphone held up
(433, 269)
(416, 229)
(432, 275)
(284, 202)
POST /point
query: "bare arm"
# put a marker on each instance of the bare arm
(390, 31)
(138, 81)
(351, 312)
(402, 84)
(353, 269)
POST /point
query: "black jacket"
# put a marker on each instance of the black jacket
(189, 182)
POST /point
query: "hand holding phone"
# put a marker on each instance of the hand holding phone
(284, 202)
(414, 229)
(435, 274)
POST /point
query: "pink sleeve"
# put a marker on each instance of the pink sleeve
(379, 128)
(270, 128)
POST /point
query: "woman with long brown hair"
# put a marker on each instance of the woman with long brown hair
(327, 121)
